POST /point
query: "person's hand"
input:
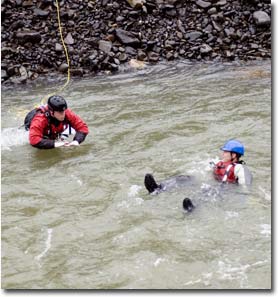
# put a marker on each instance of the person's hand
(73, 143)
(59, 143)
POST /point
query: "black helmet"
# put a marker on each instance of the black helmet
(57, 103)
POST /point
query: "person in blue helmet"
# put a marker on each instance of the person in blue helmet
(231, 169)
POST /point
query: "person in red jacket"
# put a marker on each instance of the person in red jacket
(51, 120)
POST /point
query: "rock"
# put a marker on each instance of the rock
(119, 19)
(261, 18)
(4, 74)
(105, 46)
(136, 64)
(212, 10)
(123, 57)
(16, 25)
(77, 72)
(23, 73)
(4, 66)
(45, 61)
(63, 68)
(127, 38)
(193, 35)
(58, 47)
(170, 56)
(136, 3)
(171, 12)
(27, 3)
(217, 26)
(28, 36)
(141, 55)
(108, 33)
(22, 78)
(40, 12)
(32, 75)
(11, 70)
(130, 51)
(203, 4)
(254, 46)
(205, 49)
(69, 40)
(229, 54)
(153, 57)
(166, 2)
(180, 26)
(180, 35)
(221, 3)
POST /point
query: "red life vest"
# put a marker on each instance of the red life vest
(52, 131)
(225, 172)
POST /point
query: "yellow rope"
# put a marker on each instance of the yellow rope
(66, 53)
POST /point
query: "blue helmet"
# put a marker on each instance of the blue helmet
(233, 146)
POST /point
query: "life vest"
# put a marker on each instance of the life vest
(51, 131)
(225, 172)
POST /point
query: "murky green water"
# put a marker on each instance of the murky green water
(81, 218)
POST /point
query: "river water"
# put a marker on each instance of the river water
(80, 217)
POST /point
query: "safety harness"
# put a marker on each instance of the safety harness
(229, 167)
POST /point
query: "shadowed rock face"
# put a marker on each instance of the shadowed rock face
(101, 35)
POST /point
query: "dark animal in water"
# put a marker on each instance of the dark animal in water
(154, 188)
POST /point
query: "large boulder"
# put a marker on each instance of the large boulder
(28, 36)
(105, 46)
(127, 38)
(203, 4)
(261, 18)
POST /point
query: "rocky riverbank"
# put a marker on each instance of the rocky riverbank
(102, 35)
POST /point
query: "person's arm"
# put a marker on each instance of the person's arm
(243, 174)
(79, 125)
(39, 123)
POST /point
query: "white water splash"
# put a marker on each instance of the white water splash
(132, 199)
(79, 181)
(202, 167)
(47, 245)
(266, 229)
(158, 261)
(231, 214)
(267, 196)
(13, 137)
(134, 190)
(236, 271)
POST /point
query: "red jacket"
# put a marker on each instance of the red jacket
(225, 171)
(45, 129)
